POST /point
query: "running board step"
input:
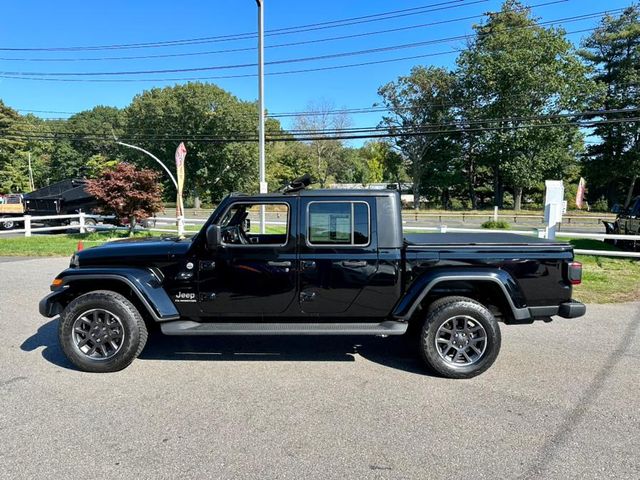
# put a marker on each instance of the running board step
(187, 327)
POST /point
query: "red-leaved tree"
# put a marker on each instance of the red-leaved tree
(131, 194)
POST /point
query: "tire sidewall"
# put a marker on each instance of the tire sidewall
(6, 223)
(90, 225)
(441, 315)
(116, 304)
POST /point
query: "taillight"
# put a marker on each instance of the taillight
(575, 273)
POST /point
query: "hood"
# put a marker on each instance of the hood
(151, 251)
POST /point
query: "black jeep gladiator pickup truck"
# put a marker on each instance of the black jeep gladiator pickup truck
(325, 262)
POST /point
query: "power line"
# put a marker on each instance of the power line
(382, 134)
(285, 61)
(48, 76)
(245, 75)
(305, 42)
(460, 125)
(346, 111)
(220, 77)
(274, 32)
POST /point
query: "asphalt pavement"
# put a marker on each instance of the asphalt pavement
(560, 402)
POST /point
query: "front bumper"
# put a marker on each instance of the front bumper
(50, 306)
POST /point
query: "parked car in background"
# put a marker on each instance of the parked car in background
(627, 222)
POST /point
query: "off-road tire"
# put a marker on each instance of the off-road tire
(438, 314)
(135, 331)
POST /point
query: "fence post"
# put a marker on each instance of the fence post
(180, 226)
(81, 222)
(27, 225)
(495, 213)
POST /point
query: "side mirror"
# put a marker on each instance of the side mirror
(617, 208)
(214, 236)
(247, 225)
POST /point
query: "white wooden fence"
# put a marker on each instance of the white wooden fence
(78, 221)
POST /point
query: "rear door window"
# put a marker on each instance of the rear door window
(338, 223)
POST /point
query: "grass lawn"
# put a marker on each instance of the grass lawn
(57, 245)
(605, 279)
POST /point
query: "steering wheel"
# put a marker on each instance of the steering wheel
(235, 235)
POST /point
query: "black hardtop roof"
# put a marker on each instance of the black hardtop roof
(328, 192)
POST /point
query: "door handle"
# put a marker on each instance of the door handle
(354, 263)
(286, 263)
(307, 264)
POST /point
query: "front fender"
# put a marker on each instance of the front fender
(144, 283)
(426, 282)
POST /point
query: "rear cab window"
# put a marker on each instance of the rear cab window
(344, 223)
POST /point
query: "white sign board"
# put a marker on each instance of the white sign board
(554, 204)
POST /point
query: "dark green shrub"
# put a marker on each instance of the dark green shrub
(496, 225)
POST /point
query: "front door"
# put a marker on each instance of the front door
(338, 255)
(252, 272)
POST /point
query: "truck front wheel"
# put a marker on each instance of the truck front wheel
(460, 338)
(101, 331)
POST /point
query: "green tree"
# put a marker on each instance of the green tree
(13, 172)
(158, 119)
(286, 161)
(613, 50)
(382, 163)
(422, 109)
(320, 116)
(513, 71)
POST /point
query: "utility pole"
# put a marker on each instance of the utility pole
(31, 184)
(261, 166)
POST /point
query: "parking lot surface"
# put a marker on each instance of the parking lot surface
(560, 402)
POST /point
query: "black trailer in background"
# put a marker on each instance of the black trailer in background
(66, 197)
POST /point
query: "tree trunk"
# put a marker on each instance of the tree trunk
(471, 177)
(132, 225)
(472, 186)
(444, 199)
(517, 198)
(416, 194)
(498, 194)
(630, 192)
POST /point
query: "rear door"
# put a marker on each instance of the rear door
(337, 253)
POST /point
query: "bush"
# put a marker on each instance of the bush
(496, 225)
(600, 205)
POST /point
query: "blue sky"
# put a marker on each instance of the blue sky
(39, 23)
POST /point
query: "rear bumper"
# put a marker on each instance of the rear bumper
(571, 309)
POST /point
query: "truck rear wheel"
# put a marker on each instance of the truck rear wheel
(101, 331)
(460, 338)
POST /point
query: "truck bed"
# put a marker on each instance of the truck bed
(489, 239)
